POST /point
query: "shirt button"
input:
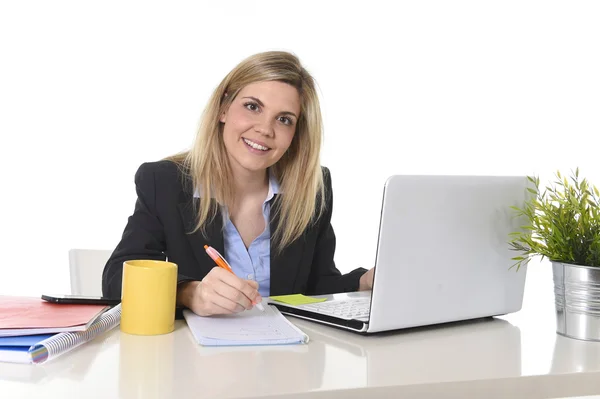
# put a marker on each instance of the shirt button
(251, 276)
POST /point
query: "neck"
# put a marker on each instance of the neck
(249, 184)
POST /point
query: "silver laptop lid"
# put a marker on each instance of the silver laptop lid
(443, 252)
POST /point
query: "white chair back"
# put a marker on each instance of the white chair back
(86, 266)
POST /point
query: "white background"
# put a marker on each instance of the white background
(90, 90)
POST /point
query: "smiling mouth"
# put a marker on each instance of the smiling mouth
(254, 145)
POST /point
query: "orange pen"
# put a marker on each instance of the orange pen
(222, 263)
(218, 258)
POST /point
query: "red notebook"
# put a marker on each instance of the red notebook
(28, 316)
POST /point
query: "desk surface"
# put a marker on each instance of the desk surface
(511, 356)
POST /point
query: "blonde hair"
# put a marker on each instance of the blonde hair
(298, 171)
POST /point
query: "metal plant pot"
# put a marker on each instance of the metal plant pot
(577, 299)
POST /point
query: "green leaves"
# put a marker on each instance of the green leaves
(563, 222)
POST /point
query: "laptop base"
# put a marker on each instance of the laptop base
(351, 325)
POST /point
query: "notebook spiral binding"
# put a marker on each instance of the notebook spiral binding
(65, 342)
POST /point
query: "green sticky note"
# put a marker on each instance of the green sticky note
(296, 299)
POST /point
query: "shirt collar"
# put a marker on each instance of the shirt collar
(273, 188)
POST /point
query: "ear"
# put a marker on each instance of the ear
(223, 117)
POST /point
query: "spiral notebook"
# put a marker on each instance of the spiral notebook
(42, 348)
(250, 327)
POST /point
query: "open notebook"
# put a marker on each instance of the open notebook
(250, 327)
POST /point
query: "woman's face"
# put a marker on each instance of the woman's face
(260, 124)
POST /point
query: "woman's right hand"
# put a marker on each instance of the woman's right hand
(219, 292)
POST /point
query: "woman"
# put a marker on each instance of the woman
(250, 187)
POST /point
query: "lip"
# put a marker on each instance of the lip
(257, 142)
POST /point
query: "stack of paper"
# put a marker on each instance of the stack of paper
(34, 331)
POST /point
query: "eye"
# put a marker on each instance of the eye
(285, 120)
(252, 106)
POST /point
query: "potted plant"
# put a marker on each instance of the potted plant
(564, 227)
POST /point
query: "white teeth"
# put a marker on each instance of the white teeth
(255, 146)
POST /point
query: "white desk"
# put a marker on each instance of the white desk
(518, 355)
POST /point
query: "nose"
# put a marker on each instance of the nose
(264, 128)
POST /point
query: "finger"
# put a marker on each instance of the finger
(255, 285)
(241, 285)
(233, 294)
(213, 308)
(218, 304)
(227, 304)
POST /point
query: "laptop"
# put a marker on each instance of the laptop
(442, 256)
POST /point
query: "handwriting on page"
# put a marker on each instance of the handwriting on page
(250, 325)
(268, 331)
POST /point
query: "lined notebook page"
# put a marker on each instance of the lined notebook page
(250, 327)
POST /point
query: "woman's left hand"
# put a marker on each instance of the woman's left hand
(366, 280)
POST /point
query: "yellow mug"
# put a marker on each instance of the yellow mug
(148, 297)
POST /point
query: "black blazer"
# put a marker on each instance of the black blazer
(165, 212)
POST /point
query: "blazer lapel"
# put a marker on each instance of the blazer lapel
(189, 211)
(284, 265)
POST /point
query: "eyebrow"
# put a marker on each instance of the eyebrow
(262, 105)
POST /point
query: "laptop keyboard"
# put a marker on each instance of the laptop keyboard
(357, 309)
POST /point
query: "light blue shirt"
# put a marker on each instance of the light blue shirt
(255, 262)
